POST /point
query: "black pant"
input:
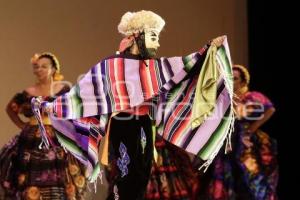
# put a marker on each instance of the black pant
(126, 128)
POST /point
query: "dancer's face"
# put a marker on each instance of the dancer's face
(238, 82)
(151, 43)
(43, 69)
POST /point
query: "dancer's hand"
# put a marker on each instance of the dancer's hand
(218, 41)
(39, 104)
(36, 102)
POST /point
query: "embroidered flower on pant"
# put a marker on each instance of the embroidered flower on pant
(124, 160)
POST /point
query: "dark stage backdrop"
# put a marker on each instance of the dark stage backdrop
(271, 74)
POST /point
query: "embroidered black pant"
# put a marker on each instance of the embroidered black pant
(130, 130)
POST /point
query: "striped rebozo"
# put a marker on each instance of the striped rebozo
(190, 98)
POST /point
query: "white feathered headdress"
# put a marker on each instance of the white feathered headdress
(136, 22)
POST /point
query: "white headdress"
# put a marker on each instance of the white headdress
(136, 22)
